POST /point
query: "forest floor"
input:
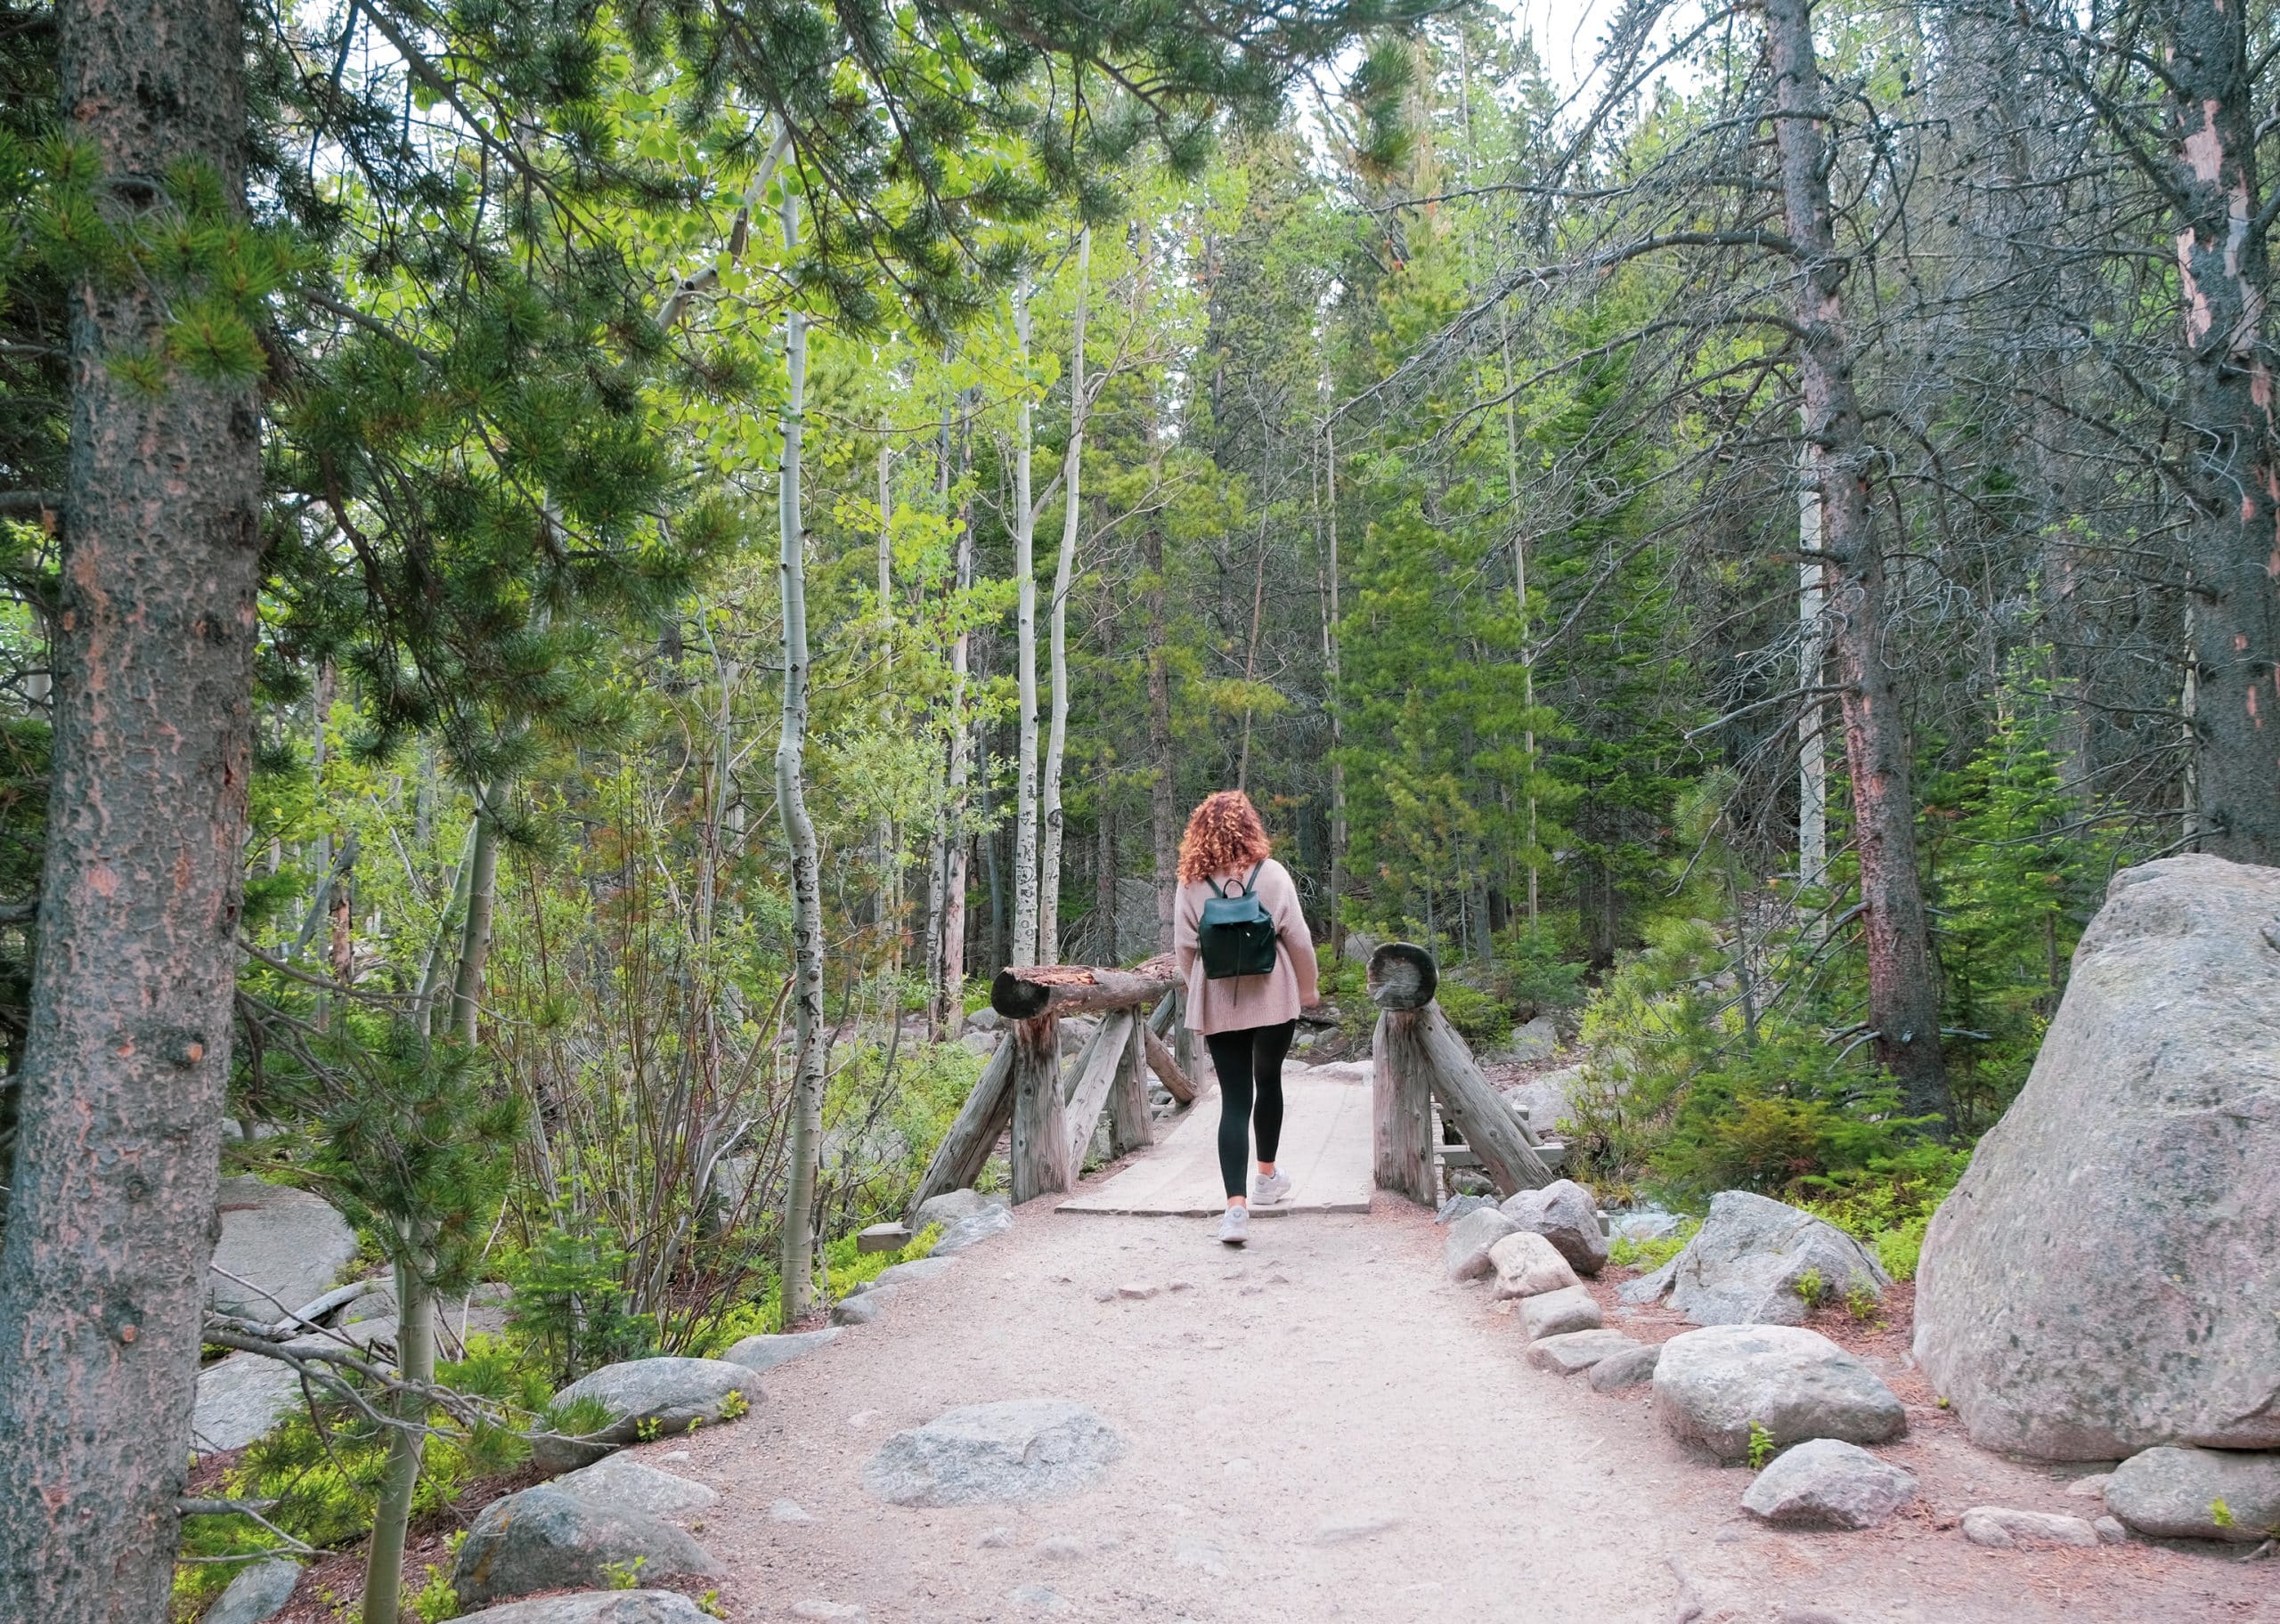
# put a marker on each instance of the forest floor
(1322, 1426)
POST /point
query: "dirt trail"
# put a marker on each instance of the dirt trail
(1321, 1426)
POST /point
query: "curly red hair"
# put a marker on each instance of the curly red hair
(1223, 837)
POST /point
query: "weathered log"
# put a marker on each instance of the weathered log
(1165, 1064)
(1041, 1150)
(1400, 1122)
(1421, 1044)
(1159, 1019)
(1402, 976)
(1026, 992)
(1071, 1073)
(965, 1150)
(1130, 1124)
(1088, 1094)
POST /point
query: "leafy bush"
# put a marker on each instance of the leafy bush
(1478, 1018)
(570, 1307)
(1652, 1255)
(1536, 972)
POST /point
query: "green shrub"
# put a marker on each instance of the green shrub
(570, 1304)
(1651, 1254)
(1478, 1018)
(1536, 973)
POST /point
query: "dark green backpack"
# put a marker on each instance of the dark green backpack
(1236, 935)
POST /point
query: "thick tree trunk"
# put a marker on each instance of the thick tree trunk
(1903, 986)
(2233, 530)
(798, 1251)
(1023, 948)
(111, 1222)
(1812, 655)
(1164, 789)
(1048, 905)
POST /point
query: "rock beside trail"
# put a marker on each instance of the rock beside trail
(670, 1392)
(1796, 1384)
(2173, 1493)
(1527, 1265)
(595, 1607)
(1825, 1483)
(1534, 1040)
(765, 1352)
(2139, 1156)
(953, 1206)
(991, 1220)
(1633, 1367)
(904, 1274)
(864, 1308)
(2002, 1528)
(620, 1482)
(1748, 1261)
(545, 1538)
(1014, 1450)
(1466, 1250)
(257, 1594)
(1555, 1313)
(1565, 1215)
(1574, 1351)
(285, 1247)
(1459, 1207)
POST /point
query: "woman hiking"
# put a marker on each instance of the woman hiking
(1248, 963)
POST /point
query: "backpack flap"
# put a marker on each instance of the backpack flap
(1236, 935)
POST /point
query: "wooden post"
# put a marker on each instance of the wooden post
(1040, 1155)
(1090, 1091)
(965, 1150)
(1130, 1127)
(1165, 1065)
(1416, 1043)
(1400, 1122)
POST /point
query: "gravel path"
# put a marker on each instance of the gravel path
(1320, 1427)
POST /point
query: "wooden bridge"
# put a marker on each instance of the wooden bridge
(1340, 1142)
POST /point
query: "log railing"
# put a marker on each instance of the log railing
(1052, 1116)
(1418, 1058)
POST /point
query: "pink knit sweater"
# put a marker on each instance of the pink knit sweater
(1243, 1002)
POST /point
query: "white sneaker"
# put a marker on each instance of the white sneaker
(1235, 1226)
(1267, 1188)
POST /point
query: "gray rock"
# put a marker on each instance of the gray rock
(816, 1607)
(2090, 1488)
(904, 1274)
(2110, 1530)
(985, 1019)
(1574, 1351)
(2002, 1528)
(1647, 1288)
(2139, 1156)
(1457, 1207)
(765, 1352)
(1555, 1313)
(991, 1220)
(1528, 1265)
(788, 1511)
(594, 1607)
(1014, 1450)
(672, 1392)
(240, 1399)
(951, 1206)
(864, 1308)
(1466, 1250)
(1076, 1032)
(1745, 1265)
(982, 1044)
(1634, 1367)
(2173, 1493)
(1644, 1223)
(257, 1594)
(1537, 1040)
(285, 1247)
(1565, 1215)
(1545, 1098)
(1036, 1598)
(1361, 1525)
(1711, 1384)
(1825, 1483)
(545, 1539)
(620, 1482)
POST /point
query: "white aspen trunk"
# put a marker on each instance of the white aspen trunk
(798, 1251)
(1049, 902)
(1329, 651)
(475, 943)
(890, 870)
(1812, 648)
(1521, 597)
(1022, 950)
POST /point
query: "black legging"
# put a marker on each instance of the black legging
(1250, 1056)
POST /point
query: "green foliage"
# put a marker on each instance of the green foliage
(569, 1308)
(435, 1600)
(1481, 1020)
(1652, 1255)
(623, 1575)
(1761, 1447)
(1810, 1288)
(1537, 972)
(2221, 1514)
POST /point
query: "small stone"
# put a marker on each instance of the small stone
(1565, 1215)
(1182, 1285)
(1527, 1265)
(2002, 1528)
(2110, 1530)
(862, 1418)
(1573, 1309)
(1036, 1598)
(904, 1274)
(1137, 1294)
(1104, 1293)
(1825, 1483)
(1060, 1547)
(819, 1608)
(1457, 1206)
(1365, 1525)
(2090, 1488)
(593, 1607)
(991, 1220)
(995, 1539)
(619, 1482)
(864, 1308)
(788, 1511)
(1631, 1368)
(1572, 1350)
(668, 1394)
(1204, 1557)
(545, 1539)
(1712, 1386)
(1014, 1450)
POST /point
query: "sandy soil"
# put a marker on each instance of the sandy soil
(1323, 1427)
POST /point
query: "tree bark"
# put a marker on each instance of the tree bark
(475, 940)
(1401, 1122)
(2233, 528)
(1049, 905)
(1904, 985)
(949, 969)
(415, 1339)
(1163, 788)
(798, 1249)
(1420, 1045)
(111, 1224)
(1024, 946)
(1039, 1159)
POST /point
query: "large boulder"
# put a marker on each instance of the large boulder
(1565, 1215)
(2139, 1170)
(1555, 1313)
(257, 1594)
(595, 1607)
(1015, 1450)
(952, 1205)
(1825, 1482)
(545, 1538)
(1712, 1386)
(1466, 1249)
(654, 1395)
(1751, 1261)
(239, 1399)
(1527, 1265)
(2176, 1494)
(983, 1225)
(619, 1481)
(280, 1249)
